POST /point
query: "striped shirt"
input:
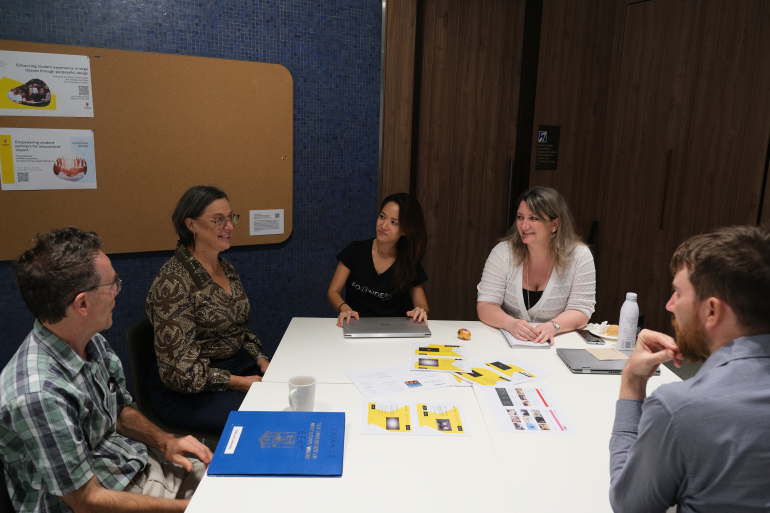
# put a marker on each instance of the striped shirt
(702, 443)
(58, 417)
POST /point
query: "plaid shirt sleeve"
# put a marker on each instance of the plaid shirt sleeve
(47, 423)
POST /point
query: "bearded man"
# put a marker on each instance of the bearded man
(702, 444)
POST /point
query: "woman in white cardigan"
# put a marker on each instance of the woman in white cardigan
(541, 272)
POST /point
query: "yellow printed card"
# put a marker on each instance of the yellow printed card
(484, 377)
(444, 419)
(387, 418)
(439, 350)
(434, 419)
(440, 364)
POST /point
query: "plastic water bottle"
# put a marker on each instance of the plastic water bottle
(629, 318)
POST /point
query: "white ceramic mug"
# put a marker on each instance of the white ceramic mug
(302, 393)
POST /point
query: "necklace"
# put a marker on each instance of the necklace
(529, 304)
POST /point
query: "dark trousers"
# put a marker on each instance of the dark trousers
(202, 411)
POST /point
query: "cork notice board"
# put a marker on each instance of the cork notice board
(163, 123)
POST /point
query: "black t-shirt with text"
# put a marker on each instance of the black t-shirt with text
(369, 293)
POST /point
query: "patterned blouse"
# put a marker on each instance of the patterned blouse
(196, 320)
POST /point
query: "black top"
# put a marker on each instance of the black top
(369, 293)
(534, 296)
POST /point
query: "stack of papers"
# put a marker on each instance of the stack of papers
(503, 371)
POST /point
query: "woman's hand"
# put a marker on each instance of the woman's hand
(522, 330)
(418, 314)
(545, 333)
(345, 316)
(242, 384)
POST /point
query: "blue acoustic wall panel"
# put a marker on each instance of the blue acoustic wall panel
(332, 49)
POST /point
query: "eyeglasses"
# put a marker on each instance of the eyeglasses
(222, 221)
(117, 282)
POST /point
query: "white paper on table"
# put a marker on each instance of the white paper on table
(517, 342)
(440, 350)
(373, 383)
(501, 371)
(526, 410)
(460, 382)
(438, 364)
(415, 419)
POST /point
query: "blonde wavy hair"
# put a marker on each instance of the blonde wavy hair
(547, 204)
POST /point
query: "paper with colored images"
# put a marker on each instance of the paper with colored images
(526, 410)
(374, 383)
(439, 350)
(34, 159)
(501, 371)
(432, 363)
(427, 419)
(45, 84)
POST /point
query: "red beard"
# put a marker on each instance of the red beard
(691, 339)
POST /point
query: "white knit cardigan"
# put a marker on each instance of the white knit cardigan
(575, 289)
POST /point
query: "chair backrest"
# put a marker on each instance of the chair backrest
(141, 347)
(6, 506)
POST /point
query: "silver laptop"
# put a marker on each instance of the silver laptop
(580, 361)
(385, 327)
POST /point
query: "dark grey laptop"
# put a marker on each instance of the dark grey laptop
(385, 327)
(580, 361)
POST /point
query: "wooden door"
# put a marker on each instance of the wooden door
(469, 99)
(690, 140)
(646, 129)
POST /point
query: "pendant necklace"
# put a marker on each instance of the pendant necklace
(529, 304)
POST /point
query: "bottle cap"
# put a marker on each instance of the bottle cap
(631, 296)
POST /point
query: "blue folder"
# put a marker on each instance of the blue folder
(280, 443)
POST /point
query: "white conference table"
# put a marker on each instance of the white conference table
(524, 472)
(380, 472)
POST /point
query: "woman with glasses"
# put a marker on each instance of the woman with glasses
(207, 358)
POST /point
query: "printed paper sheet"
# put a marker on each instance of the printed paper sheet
(428, 419)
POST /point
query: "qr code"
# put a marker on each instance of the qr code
(83, 90)
(23, 177)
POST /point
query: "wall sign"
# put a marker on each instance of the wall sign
(547, 156)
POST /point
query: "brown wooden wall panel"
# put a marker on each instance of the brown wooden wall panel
(575, 86)
(150, 148)
(398, 96)
(690, 139)
(470, 81)
(647, 128)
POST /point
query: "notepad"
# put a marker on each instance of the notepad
(517, 342)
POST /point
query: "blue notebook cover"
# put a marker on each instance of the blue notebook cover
(280, 443)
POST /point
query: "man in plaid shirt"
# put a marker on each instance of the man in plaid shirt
(68, 440)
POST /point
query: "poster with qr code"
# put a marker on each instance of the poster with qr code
(45, 84)
(33, 159)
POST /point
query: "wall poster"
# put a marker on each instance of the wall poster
(45, 84)
(46, 159)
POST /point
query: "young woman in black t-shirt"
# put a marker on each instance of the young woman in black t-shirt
(383, 277)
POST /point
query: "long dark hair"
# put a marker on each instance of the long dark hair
(192, 204)
(411, 246)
